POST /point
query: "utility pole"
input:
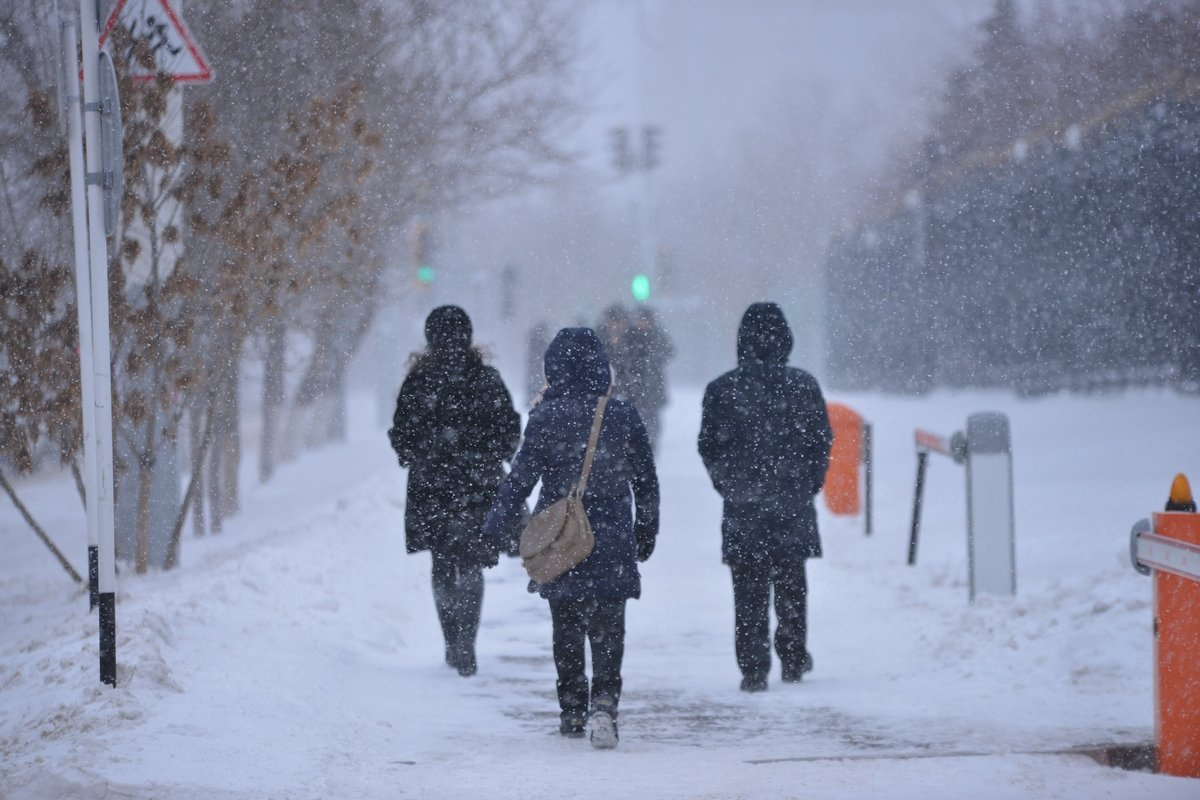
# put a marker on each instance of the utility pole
(627, 159)
(69, 77)
(102, 355)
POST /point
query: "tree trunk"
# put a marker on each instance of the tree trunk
(272, 397)
(141, 556)
(224, 454)
(200, 442)
(233, 437)
(199, 437)
(216, 503)
(145, 485)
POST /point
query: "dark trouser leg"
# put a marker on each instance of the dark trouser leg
(468, 603)
(791, 611)
(568, 617)
(443, 578)
(752, 621)
(651, 420)
(606, 633)
(458, 595)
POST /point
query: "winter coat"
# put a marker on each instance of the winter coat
(765, 440)
(647, 351)
(453, 428)
(622, 477)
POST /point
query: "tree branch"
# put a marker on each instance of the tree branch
(41, 534)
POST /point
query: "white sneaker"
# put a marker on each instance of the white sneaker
(602, 730)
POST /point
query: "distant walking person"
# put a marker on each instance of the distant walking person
(765, 439)
(647, 350)
(453, 428)
(535, 352)
(587, 603)
(612, 328)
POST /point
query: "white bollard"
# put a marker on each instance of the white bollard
(991, 541)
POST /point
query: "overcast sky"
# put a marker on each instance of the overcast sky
(818, 91)
(707, 70)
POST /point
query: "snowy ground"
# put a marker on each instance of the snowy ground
(296, 655)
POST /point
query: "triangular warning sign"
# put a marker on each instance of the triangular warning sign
(176, 53)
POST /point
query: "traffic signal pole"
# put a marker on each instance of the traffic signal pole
(69, 38)
(102, 356)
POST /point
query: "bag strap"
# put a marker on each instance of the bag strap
(581, 487)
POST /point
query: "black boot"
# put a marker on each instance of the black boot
(571, 725)
(754, 683)
(794, 672)
(465, 663)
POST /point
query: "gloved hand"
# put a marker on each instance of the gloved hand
(645, 548)
(512, 547)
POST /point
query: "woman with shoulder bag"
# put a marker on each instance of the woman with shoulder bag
(587, 602)
(453, 428)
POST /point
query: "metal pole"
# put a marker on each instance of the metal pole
(83, 293)
(922, 459)
(867, 469)
(98, 260)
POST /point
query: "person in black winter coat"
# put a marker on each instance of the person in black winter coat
(612, 330)
(647, 351)
(588, 601)
(453, 428)
(765, 440)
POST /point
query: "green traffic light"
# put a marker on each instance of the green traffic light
(640, 287)
(425, 274)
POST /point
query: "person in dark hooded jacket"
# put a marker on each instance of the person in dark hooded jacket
(453, 428)
(588, 601)
(765, 440)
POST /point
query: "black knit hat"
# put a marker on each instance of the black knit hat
(448, 328)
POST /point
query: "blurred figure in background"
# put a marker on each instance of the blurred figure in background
(614, 324)
(535, 372)
(453, 428)
(647, 350)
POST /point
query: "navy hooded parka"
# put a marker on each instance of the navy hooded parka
(622, 477)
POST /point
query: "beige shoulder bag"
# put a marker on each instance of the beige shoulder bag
(559, 537)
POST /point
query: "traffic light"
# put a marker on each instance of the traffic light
(508, 293)
(651, 147)
(424, 270)
(640, 287)
(622, 157)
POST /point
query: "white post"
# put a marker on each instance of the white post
(83, 292)
(98, 258)
(991, 547)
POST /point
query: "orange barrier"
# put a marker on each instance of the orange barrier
(842, 491)
(1171, 547)
(1177, 655)
(851, 448)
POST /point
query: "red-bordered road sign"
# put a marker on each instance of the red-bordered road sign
(176, 53)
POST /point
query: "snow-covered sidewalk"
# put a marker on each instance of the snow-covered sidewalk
(297, 654)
